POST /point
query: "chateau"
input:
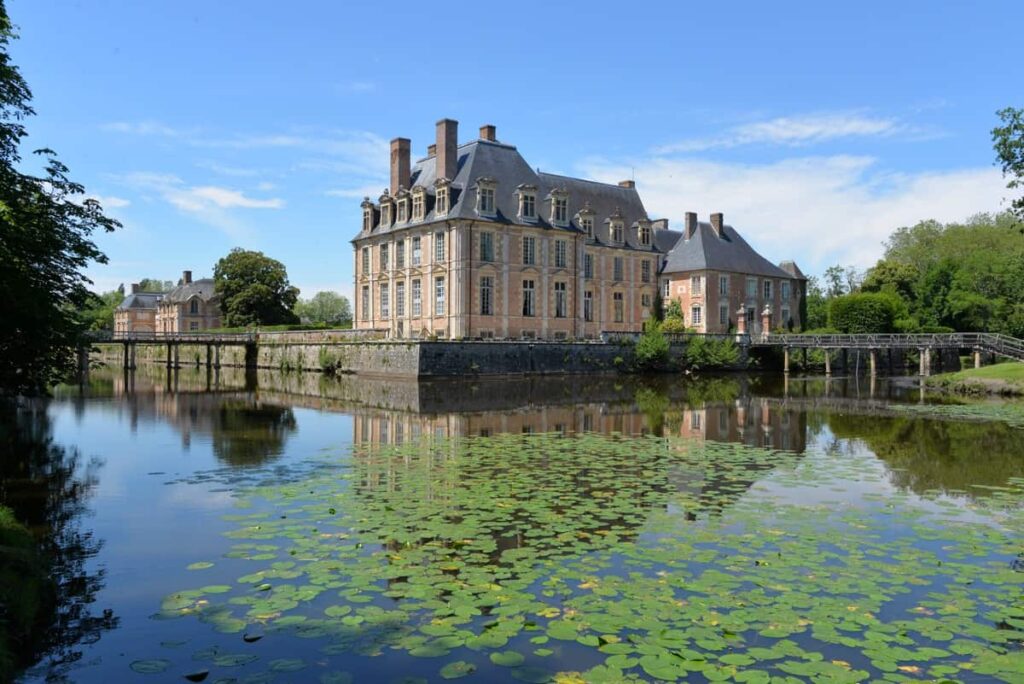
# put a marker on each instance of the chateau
(471, 242)
(192, 306)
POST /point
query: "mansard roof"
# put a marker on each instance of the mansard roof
(705, 250)
(202, 288)
(140, 300)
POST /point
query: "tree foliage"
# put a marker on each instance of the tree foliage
(46, 223)
(1008, 141)
(254, 290)
(99, 312)
(155, 285)
(652, 349)
(865, 312)
(324, 307)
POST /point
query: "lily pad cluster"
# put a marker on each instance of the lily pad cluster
(607, 559)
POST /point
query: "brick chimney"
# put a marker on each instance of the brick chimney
(399, 164)
(186, 277)
(135, 288)
(431, 150)
(717, 222)
(627, 184)
(447, 148)
(691, 225)
(488, 132)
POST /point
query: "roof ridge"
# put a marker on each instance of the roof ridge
(583, 180)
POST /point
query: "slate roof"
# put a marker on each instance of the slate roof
(503, 163)
(731, 253)
(140, 300)
(202, 288)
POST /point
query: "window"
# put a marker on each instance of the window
(723, 314)
(529, 250)
(439, 296)
(588, 306)
(486, 246)
(441, 206)
(617, 232)
(439, 246)
(560, 259)
(723, 285)
(645, 235)
(588, 266)
(366, 260)
(645, 271)
(365, 306)
(385, 214)
(767, 289)
(528, 205)
(193, 307)
(399, 299)
(645, 300)
(587, 224)
(403, 209)
(561, 300)
(385, 304)
(785, 290)
(417, 252)
(696, 316)
(751, 287)
(528, 301)
(384, 257)
(486, 296)
(193, 325)
(617, 268)
(666, 288)
(400, 254)
(560, 210)
(367, 218)
(417, 299)
(696, 286)
(417, 206)
(485, 200)
(617, 301)
(785, 318)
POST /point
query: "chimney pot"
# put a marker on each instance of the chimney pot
(186, 277)
(627, 184)
(400, 166)
(135, 288)
(431, 150)
(488, 132)
(691, 224)
(447, 148)
(717, 222)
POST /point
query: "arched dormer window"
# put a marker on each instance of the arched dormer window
(585, 217)
(616, 227)
(193, 307)
(402, 205)
(442, 188)
(559, 207)
(485, 196)
(527, 195)
(386, 206)
(367, 206)
(419, 202)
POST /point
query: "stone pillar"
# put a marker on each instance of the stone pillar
(785, 360)
(828, 362)
(873, 362)
(926, 363)
(741, 325)
(766, 322)
(977, 358)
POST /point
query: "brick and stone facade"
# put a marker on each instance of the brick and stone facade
(193, 306)
(137, 313)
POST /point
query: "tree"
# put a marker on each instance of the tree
(1008, 141)
(652, 349)
(45, 228)
(155, 285)
(816, 314)
(99, 313)
(866, 312)
(324, 307)
(254, 290)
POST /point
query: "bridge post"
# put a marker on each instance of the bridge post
(209, 356)
(168, 354)
(785, 360)
(873, 361)
(977, 358)
(216, 355)
(177, 359)
(926, 363)
(135, 347)
(125, 360)
(828, 362)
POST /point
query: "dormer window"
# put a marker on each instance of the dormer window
(367, 214)
(527, 202)
(586, 220)
(644, 233)
(385, 214)
(418, 204)
(443, 203)
(403, 210)
(559, 207)
(616, 231)
(485, 196)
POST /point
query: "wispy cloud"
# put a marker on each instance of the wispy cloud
(110, 201)
(154, 128)
(357, 193)
(805, 129)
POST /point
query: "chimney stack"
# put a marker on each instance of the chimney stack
(488, 132)
(691, 224)
(186, 277)
(431, 150)
(399, 164)
(447, 148)
(627, 184)
(135, 288)
(717, 223)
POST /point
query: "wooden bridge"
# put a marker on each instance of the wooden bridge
(173, 341)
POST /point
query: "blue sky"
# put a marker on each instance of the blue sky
(816, 128)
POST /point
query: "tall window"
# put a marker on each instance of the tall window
(193, 307)
(417, 206)
(364, 309)
(666, 288)
(528, 205)
(400, 254)
(588, 306)
(417, 298)
(528, 298)
(723, 314)
(645, 300)
(696, 316)
(723, 285)
(561, 300)
(441, 206)
(645, 235)
(560, 210)
(439, 296)
(385, 304)
(785, 290)
(486, 246)
(560, 250)
(618, 306)
(529, 250)
(366, 261)
(588, 266)
(785, 318)
(417, 251)
(617, 268)
(486, 296)
(485, 200)
(751, 287)
(402, 211)
(399, 299)
(439, 246)
(384, 257)
(696, 285)
(367, 218)
(645, 270)
(587, 224)
(617, 232)
(767, 289)
(385, 213)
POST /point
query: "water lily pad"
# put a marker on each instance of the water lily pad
(507, 659)
(153, 666)
(457, 670)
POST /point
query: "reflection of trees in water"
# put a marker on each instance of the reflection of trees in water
(47, 487)
(927, 454)
(246, 433)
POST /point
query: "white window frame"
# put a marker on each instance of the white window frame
(528, 205)
(588, 306)
(767, 290)
(365, 303)
(786, 290)
(366, 260)
(417, 250)
(529, 250)
(619, 307)
(618, 269)
(400, 254)
(561, 299)
(723, 285)
(588, 266)
(486, 296)
(723, 314)
(439, 246)
(400, 299)
(696, 315)
(561, 250)
(439, 296)
(385, 301)
(418, 205)
(385, 261)
(486, 240)
(417, 298)
(485, 199)
(442, 201)
(645, 271)
(751, 287)
(696, 286)
(529, 298)
(587, 224)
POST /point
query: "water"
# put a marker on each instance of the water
(293, 528)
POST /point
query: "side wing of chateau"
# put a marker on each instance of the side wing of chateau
(471, 242)
(192, 306)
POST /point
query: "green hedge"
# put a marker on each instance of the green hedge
(865, 312)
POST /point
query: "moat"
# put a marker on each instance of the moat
(267, 527)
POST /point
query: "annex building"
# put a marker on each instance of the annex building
(471, 242)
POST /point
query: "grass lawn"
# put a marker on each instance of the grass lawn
(999, 378)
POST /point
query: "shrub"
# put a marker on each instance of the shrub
(673, 326)
(702, 352)
(652, 348)
(866, 312)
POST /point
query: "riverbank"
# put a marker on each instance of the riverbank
(1003, 379)
(24, 592)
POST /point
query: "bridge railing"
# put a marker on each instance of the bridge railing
(991, 342)
(195, 337)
